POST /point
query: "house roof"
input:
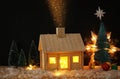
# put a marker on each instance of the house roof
(52, 43)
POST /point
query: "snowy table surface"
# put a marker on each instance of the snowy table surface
(38, 73)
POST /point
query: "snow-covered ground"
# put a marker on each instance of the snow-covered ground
(22, 73)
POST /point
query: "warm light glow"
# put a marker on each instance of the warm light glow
(75, 59)
(113, 49)
(108, 36)
(52, 60)
(91, 46)
(58, 73)
(93, 38)
(64, 62)
(97, 67)
(30, 67)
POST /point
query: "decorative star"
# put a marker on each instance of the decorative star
(99, 13)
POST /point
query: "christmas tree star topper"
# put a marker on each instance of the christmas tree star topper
(99, 13)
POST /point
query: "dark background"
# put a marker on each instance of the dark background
(27, 19)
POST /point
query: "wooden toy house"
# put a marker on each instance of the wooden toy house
(61, 51)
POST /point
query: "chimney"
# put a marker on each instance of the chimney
(60, 32)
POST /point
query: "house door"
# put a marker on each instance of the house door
(64, 63)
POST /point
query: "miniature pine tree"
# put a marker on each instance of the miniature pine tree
(33, 56)
(22, 59)
(102, 44)
(13, 54)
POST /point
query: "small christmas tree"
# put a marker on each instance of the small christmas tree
(102, 44)
(22, 59)
(13, 54)
(33, 56)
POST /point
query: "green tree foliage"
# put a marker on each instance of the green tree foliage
(22, 59)
(13, 54)
(102, 44)
(33, 56)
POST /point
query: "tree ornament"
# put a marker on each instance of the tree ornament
(114, 67)
(99, 13)
(106, 66)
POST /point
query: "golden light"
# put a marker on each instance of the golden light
(93, 38)
(52, 60)
(108, 36)
(30, 67)
(91, 46)
(75, 59)
(113, 49)
(64, 62)
(97, 67)
(58, 73)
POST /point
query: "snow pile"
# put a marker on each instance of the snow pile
(22, 73)
(112, 74)
(118, 74)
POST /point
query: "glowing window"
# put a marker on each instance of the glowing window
(64, 62)
(75, 59)
(52, 60)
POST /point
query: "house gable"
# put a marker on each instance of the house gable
(52, 43)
